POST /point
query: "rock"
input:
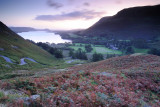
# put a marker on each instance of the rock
(25, 99)
(35, 97)
(107, 74)
(28, 100)
(3, 105)
(52, 89)
(103, 96)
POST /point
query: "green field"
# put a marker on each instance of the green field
(96, 48)
(141, 50)
(104, 50)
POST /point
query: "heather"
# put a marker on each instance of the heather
(127, 81)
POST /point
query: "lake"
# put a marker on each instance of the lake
(43, 36)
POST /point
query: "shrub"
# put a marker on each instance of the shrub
(3, 98)
(26, 85)
(97, 57)
(154, 51)
(129, 50)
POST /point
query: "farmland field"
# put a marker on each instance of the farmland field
(96, 48)
(141, 50)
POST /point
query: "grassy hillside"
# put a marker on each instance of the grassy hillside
(15, 47)
(136, 22)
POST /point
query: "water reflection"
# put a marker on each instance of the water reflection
(43, 36)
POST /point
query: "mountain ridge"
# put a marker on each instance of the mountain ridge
(135, 22)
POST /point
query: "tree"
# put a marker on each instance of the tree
(140, 43)
(52, 51)
(71, 52)
(97, 57)
(58, 54)
(154, 51)
(129, 50)
(79, 54)
(44, 46)
(88, 48)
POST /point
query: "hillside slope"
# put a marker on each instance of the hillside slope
(137, 22)
(127, 81)
(15, 47)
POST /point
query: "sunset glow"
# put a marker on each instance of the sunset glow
(62, 14)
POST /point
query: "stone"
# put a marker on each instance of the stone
(103, 96)
(52, 89)
(28, 99)
(35, 97)
(3, 105)
(107, 74)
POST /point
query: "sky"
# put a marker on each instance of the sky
(62, 14)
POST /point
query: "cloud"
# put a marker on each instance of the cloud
(85, 14)
(54, 4)
(86, 4)
(119, 2)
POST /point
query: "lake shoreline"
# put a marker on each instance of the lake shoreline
(44, 36)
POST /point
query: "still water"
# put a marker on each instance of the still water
(43, 36)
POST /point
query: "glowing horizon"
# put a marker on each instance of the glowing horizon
(62, 14)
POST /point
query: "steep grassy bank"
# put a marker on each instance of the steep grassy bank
(15, 47)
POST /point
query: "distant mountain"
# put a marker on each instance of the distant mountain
(27, 29)
(15, 47)
(22, 29)
(136, 22)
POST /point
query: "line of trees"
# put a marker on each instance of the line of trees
(54, 51)
(88, 48)
(79, 54)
